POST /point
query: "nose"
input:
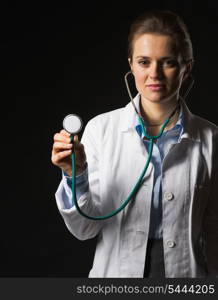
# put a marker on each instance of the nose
(156, 71)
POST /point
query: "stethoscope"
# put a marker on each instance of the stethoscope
(72, 123)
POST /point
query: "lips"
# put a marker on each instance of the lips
(156, 87)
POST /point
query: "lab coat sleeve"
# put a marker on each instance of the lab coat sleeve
(211, 218)
(82, 186)
(89, 202)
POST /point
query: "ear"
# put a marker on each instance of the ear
(188, 69)
(130, 64)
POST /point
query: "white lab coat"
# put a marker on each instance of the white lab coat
(116, 156)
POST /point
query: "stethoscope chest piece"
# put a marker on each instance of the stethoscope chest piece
(72, 124)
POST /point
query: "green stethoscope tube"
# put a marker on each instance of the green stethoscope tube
(136, 187)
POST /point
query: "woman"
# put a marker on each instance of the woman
(171, 227)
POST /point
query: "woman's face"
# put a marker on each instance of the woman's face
(157, 67)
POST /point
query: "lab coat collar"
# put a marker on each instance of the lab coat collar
(191, 131)
(129, 117)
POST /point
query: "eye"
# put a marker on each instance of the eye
(144, 62)
(170, 63)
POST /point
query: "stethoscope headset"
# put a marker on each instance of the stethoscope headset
(73, 124)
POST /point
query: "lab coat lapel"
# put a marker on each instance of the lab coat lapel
(134, 143)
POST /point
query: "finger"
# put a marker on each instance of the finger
(59, 156)
(64, 132)
(61, 138)
(61, 146)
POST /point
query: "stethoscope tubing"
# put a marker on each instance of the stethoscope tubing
(129, 198)
(138, 184)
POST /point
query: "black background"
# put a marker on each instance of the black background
(70, 57)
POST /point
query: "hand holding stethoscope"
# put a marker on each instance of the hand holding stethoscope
(63, 146)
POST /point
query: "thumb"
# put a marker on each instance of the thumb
(76, 139)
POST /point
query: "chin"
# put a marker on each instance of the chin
(154, 98)
(157, 98)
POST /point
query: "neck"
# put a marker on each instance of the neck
(156, 113)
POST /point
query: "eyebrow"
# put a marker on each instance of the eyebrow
(165, 57)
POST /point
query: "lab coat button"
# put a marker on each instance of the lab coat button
(168, 196)
(171, 244)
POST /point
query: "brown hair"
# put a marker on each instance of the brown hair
(164, 23)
